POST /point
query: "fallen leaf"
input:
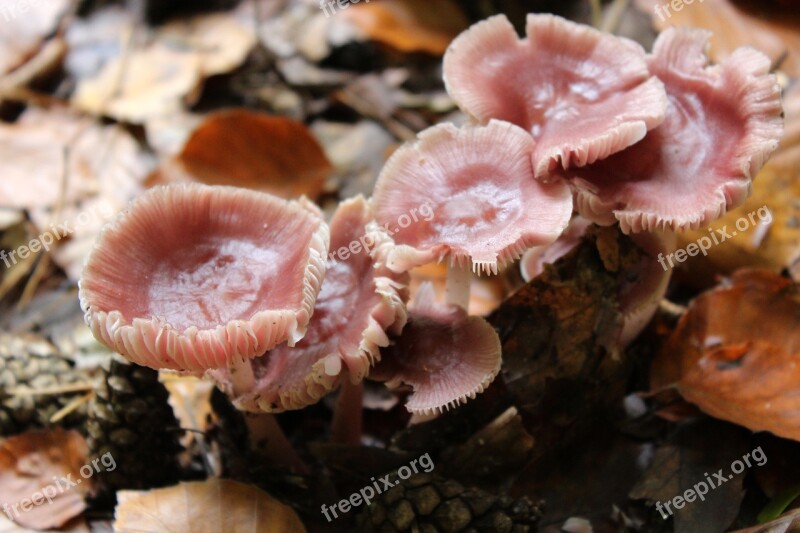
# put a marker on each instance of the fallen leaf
(248, 149)
(161, 73)
(208, 506)
(409, 25)
(694, 450)
(104, 169)
(772, 30)
(41, 480)
(735, 353)
(221, 40)
(141, 84)
(23, 28)
(190, 398)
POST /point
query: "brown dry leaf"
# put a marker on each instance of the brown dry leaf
(41, 478)
(221, 40)
(190, 398)
(23, 27)
(772, 240)
(774, 31)
(105, 169)
(735, 353)
(156, 80)
(409, 25)
(162, 73)
(253, 150)
(209, 506)
(486, 293)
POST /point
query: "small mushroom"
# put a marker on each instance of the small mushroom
(443, 354)
(487, 207)
(192, 277)
(583, 94)
(722, 124)
(359, 302)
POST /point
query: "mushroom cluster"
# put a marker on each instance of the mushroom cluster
(239, 284)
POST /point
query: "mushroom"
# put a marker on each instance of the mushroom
(193, 277)
(359, 302)
(487, 206)
(722, 124)
(443, 354)
(583, 94)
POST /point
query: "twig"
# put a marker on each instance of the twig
(70, 407)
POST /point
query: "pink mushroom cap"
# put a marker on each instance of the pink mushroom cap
(445, 356)
(722, 124)
(583, 94)
(359, 302)
(478, 184)
(192, 277)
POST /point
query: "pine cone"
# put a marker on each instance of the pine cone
(33, 362)
(429, 504)
(131, 420)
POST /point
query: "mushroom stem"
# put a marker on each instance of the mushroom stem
(348, 414)
(268, 439)
(458, 284)
(242, 378)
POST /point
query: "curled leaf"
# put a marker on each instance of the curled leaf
(208, 506)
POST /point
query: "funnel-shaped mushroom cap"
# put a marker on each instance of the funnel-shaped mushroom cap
(582, 94)
(443, 354)
(722, 124)
(477, 183)
(192, 277)
(360, 300)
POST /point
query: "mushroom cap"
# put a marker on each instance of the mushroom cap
(359, 302)
(583, 94)
(722, 124)
(443, 354)
(477, 183)
(192, 277)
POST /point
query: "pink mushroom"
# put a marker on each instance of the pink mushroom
(359, 302)
(583, 94)
(722, 124)
(192, 277)
(444, 355)
(487, 207)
